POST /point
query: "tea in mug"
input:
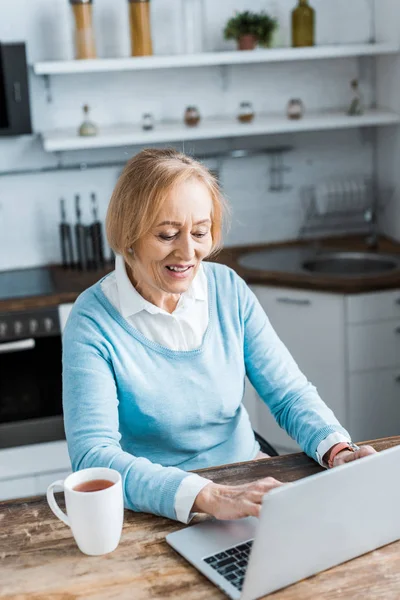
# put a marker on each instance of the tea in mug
(96, 485)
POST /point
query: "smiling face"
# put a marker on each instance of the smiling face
(167, 258)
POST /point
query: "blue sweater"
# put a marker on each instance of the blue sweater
(153, 413)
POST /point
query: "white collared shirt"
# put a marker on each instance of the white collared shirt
(182, 330)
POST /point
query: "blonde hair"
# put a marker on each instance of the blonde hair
(143, 186)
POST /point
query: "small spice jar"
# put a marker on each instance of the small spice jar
(246, 112)
(84, 33)
(147, 122)
(192, 116)
(295, 109)
(140, 26)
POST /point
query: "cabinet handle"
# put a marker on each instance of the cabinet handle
(397, 379)
(397, 301)
(397, 330)
(17, 346)
(296, 301)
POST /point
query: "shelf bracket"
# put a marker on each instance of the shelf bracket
(47, 87)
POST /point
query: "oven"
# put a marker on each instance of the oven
(30, 377)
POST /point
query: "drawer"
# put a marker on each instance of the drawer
(373, 345)
(377, 306)
(45, 479)
(21, 487)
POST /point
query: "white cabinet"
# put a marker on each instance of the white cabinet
(348, 346)
(20, 487)
(373, 345)
(374, 404)
(43, 480)
(312, 326)
(28, 470)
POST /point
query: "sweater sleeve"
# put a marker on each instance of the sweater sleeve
(91, 421)
(293, 401)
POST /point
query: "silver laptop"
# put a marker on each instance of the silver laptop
(304, 528)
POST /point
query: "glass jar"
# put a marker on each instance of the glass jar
(303, 25)
(246, 112)
(295, 109)
(147, 122)
(140, 26)
(85, 46)
(192, 116)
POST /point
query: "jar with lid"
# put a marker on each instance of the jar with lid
(147, 122)
(140, 26)
(85, 46)
(295, 109)
(192, 116)
(246, 112)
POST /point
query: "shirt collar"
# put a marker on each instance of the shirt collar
(131, 302)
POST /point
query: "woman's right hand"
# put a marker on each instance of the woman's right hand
(234, 501)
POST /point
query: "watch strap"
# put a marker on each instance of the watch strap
(335, 451)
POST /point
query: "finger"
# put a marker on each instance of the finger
(368, 450)
(268, 482)
(253, 509)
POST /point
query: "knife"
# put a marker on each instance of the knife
(96, 236)
(80, 237)
(67, 255)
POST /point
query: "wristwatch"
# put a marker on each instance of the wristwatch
(352, 447)
(337, 448)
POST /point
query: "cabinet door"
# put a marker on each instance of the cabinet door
(374, 404)
(374, 345)
(43, 481)
(312, 327)
(20, 487)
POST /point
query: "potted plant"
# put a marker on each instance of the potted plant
(249, 29)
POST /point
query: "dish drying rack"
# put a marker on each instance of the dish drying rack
(343, 206)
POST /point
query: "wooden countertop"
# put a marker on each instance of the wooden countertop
(40, 561)
(68, 284)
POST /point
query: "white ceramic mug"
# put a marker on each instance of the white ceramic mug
(95, 518)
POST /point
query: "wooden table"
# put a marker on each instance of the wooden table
(39, 558)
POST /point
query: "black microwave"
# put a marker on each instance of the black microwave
(15, 114)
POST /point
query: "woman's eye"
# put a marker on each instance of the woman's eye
(200, 235)
(167, 238)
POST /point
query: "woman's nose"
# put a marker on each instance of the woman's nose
(185, 248)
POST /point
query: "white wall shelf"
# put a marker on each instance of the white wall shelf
(69, 67)
(221, 127)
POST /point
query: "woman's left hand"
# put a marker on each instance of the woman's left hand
(346, 456)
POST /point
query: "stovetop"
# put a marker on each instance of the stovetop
(25, 282)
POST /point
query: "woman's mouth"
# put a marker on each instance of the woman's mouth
(179, 271)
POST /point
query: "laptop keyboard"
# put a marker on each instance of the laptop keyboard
(232, 563)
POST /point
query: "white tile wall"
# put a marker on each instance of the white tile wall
(29, 208)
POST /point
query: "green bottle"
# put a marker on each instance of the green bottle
(303, 25)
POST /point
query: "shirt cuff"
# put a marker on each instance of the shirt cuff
(327, 443)
(186, 495)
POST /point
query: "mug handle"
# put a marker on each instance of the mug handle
(53, 504)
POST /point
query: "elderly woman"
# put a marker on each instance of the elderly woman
(156, 354)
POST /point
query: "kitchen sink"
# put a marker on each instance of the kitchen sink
(306, 260)
(351, 264)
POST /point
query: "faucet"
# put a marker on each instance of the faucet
(371, 217)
